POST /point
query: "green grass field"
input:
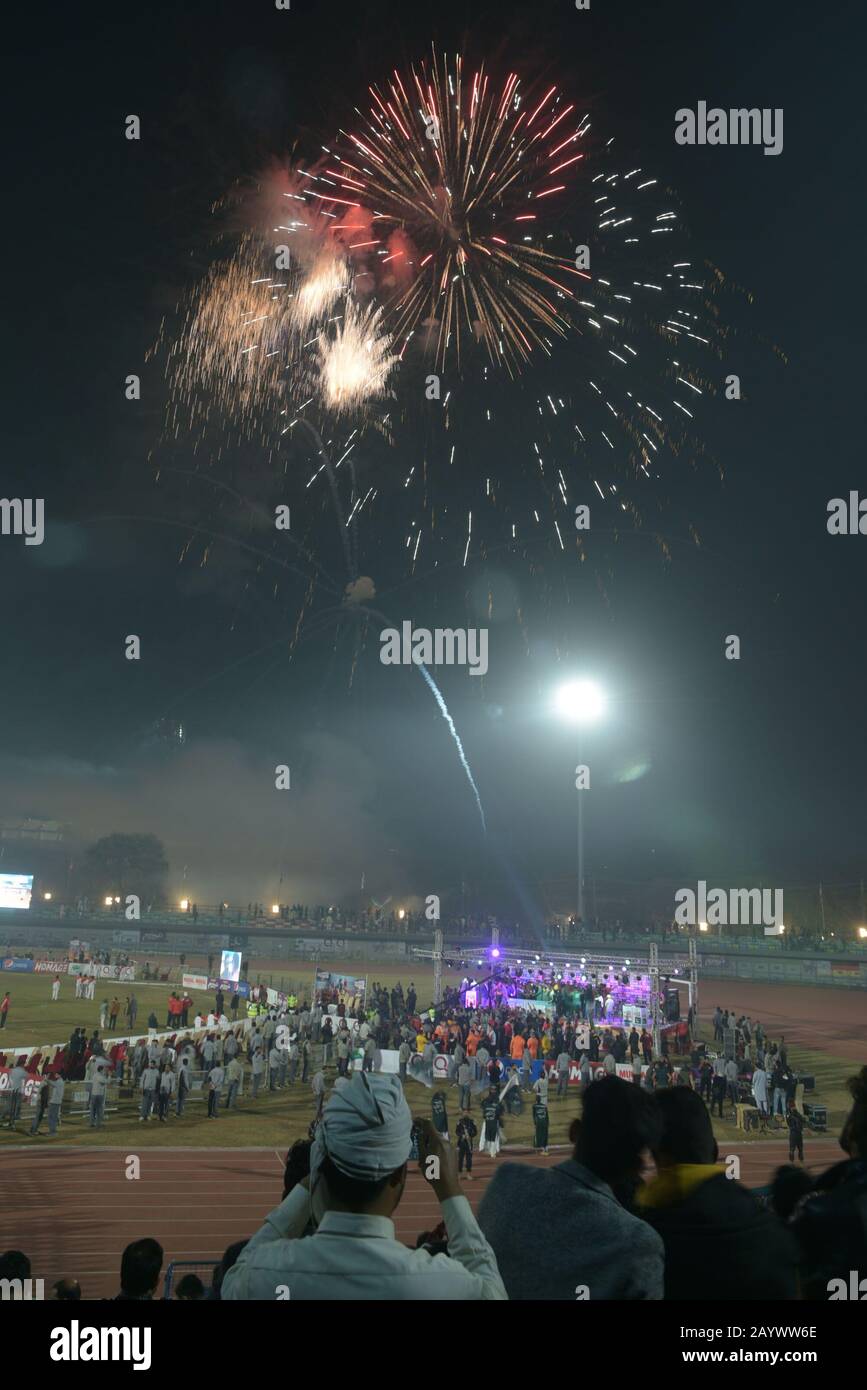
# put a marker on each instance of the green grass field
(278, 1119)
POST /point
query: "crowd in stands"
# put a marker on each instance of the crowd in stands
(596, 1226)
(402, 923)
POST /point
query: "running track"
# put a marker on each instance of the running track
(73, 1212)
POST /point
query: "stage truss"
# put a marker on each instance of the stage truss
(677, 968)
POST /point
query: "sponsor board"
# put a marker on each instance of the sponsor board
(51, 967)
(29, 1089)
(125, 938)
(17, 964)
(102, 972)
(195, 981)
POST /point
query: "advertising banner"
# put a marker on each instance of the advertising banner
(102, 972)
(17, 963)
(29, 1090)
(195, 981)
(125, 938)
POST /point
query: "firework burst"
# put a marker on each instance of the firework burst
(453, 179)
(355, 361)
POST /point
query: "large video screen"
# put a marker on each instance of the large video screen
(16, 890)
(230, 966)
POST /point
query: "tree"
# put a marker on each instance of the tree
(127, 863)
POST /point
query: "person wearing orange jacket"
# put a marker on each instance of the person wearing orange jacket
(533, 1046)
(517, 1048)
(472, 1043)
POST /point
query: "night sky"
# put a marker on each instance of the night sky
(748, 768)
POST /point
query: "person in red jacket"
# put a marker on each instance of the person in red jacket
(4, 1008)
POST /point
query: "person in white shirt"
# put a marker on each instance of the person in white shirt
(17, 1077)
(55, 988)
(183, 1083)
(150, 1080)
(55, 1101)
(258, 1070)
(357, 1178)
(216, 1077)
(234, 1077)
(198, 1021)
(98, 1086)
(167, 1087)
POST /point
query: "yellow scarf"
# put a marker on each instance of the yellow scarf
(673, 1184)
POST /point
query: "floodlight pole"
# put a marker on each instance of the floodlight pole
(653, 972)
(580, 918)
(438, 967)
(693, 980)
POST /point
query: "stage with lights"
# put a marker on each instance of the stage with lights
(605, 991)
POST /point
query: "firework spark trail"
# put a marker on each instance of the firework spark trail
(444, 710)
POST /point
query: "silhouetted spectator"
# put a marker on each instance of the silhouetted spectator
(14, 1264)
(66, 1291)
(190, 1289)
(829, 1223)
(230, 1255)
(746, 1252)
(556, 1229)
(140, 1267)
(789, 1185)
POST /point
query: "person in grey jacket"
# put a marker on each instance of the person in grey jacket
(561, 1233)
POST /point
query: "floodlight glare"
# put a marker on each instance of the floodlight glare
(580, 702)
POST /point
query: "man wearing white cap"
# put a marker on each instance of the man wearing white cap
(358, 1169)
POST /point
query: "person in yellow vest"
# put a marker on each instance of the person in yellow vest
(546, 1044)
(420, 1040)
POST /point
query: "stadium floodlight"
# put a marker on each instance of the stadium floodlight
(580, 702)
